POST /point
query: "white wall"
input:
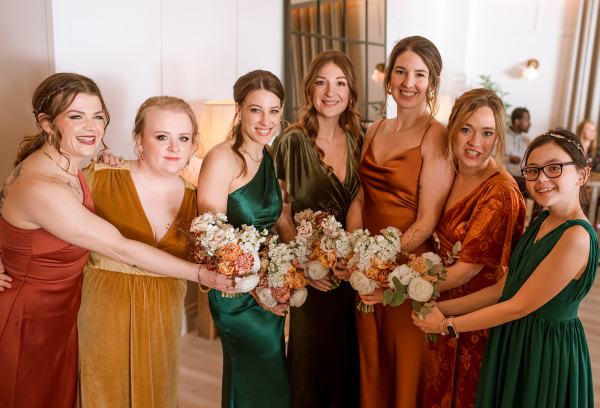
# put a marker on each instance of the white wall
(495, 37)
(25, 60)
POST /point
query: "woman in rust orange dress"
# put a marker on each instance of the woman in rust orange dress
(485, 213)
(405, 181)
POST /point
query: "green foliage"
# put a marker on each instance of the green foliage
(486, 82)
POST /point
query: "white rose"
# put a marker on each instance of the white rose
(246, 283)
(420, 290)
(316, 270)
(433, 257)
(304, 229)
(256, 265)
(298, 297)
(404, 275)
(265, 297)
(361, 283)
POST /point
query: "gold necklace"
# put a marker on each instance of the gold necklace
(59, 166)
(252, 158)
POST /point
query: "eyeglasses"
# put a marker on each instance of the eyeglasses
(553, 170)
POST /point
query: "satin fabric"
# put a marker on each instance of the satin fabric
(542, 359)
(391, 347)
(38, 316)
(322, 346)
(130, 319)
(254, 372)
(488, 223)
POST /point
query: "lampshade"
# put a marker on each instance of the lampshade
(214, 121)
(531, 69)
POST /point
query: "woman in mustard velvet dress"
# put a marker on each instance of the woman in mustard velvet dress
(405, 181)
(238, 179)
(316, 161)
(130, 320)
(536, 354)
(47, 227)
(485, 212)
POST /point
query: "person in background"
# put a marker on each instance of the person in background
(485, 212)
(405, 180)
(587, 135)
(130, 319)
(536, 354)
(516, 142)
(47, 227)
(316, 161)
(237, 179)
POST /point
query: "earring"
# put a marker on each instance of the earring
(140, 153)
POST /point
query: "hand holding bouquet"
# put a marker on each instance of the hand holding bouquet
(282, 282)
(372, 260)
(227, 250)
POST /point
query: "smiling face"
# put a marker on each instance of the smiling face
(330, 91)
(409, 81)
(166, 140)
(474, 141)
(588, 132)
(551, 191)
(81, 126)
(260, 116)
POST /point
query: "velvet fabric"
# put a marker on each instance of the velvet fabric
(542, 359)
(488, 223)
(38, 316)
(322, 346)
(130, 319)
(252, 338)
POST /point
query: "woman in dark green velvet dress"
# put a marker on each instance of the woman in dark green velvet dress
(536, 354)
(316, 162)
(237, 178)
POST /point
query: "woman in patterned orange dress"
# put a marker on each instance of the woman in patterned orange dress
(485, 214)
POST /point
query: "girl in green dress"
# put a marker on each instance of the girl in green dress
(237, 178)
(537, 354)
(316, 161)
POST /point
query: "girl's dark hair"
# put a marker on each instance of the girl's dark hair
(430, 56)
(244, 86)
(349, 120)
(52, 97)
(564, 139)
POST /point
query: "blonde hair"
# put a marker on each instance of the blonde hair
(464, 106)
(594, 145)
(166, 103)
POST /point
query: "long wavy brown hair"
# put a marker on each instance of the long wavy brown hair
(349, 120)
(244, 86)
(52, 97)
(430, 56)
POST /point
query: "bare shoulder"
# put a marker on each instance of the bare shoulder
(434, 141)
(220, 163)
(576, 238)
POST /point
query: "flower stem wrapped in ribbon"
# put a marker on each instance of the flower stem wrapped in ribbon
(227, 250)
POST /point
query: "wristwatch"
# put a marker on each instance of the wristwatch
(452, 332)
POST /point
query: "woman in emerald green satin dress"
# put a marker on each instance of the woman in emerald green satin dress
(316, 161)
(237, 178)
(537, 354)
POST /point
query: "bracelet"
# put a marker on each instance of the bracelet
(201, 287)
(443, 327)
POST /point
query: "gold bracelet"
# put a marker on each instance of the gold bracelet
(201, 287)
(443, 327)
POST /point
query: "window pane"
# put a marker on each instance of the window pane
(357, 54)
(375, 56)
(376, 23)
(355, 19)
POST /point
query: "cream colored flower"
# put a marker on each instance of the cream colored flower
(246, 283)
(265, 297)
(361, 283)
(298, 297)
(420, 290)
(433, 257)
(404, 275)
(316, 270)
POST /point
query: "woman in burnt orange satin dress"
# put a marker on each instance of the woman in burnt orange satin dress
(485, 212)
(405, 181)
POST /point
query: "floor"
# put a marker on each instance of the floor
(200, 373)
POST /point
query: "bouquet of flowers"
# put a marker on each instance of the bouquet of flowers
(227, 250)
(372, 259)
(419, 280)
(282, 281)
(320, 242)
